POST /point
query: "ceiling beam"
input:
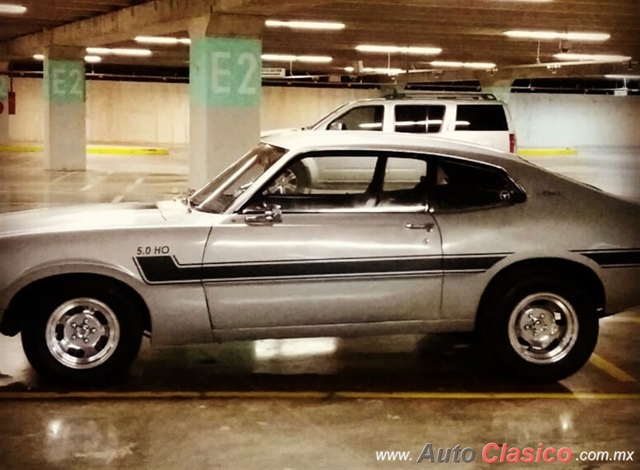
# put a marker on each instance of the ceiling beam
(155, 17)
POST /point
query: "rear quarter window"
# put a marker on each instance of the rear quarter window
(485, 117)
(462, 186)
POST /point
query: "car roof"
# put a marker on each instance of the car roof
(306, 140)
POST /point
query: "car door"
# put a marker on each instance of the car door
(343, 252)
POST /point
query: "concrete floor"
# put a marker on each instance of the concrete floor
(321, 403)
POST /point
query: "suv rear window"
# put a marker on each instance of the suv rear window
(418, 119)
(472, 117)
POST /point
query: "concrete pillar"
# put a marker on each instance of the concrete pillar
(225, 89)
(65, 137)
(500, 88)
(4, 103)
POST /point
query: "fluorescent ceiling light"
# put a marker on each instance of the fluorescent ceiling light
(162, 40)
(622, 76)
(12, 9)
(119, 51)
(399, 49)
(278, 57)
(316, 59)
(592, 57)
(377, 70)
(463, 65)
(553, 35)
(92, 59)
(317, 25)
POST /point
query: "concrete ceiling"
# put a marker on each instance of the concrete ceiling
(466, 30)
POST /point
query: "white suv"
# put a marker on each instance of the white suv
(477, 118)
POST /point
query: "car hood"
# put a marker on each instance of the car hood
(81, 217)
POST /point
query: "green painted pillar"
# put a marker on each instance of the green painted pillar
(64, 97)
(4, 103)
(225, 91)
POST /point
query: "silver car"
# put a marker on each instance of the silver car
(423, 235)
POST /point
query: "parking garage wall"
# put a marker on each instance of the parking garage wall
(556, 120)
(158, 113)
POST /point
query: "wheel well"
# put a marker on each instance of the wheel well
(553, 266)
(13, 319)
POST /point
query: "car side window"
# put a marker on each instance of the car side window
(322, 182)
(418, 119)
(463, 186)
(485, 117)
(361, 118)
(347, 182)
(405, 183)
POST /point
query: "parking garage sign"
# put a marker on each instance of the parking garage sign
(64, 81)
(225, 71)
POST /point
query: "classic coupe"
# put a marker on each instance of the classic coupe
(328, 234)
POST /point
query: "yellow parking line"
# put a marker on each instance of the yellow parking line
(317, 395)
(21, 148)
(93, 149)
(128, 150)
(611, 369)
(492, 396)
(547, 152)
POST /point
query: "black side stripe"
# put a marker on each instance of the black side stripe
(470, 263)
(167, 269)
(613, 258)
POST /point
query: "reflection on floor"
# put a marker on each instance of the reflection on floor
(321, 403)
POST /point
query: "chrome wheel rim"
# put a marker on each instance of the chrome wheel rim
(543, 328)
(82, 333)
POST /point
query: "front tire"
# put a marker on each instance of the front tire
(82, 332)
(540, 326)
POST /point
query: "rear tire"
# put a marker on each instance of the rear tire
(540, 326)
(82, 332)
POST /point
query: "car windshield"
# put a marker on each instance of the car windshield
(219, 193)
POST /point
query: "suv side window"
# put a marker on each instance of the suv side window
(485, 117)
(361, 118)
(418, 119)
(461, 185)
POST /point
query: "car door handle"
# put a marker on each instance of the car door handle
(427, 227)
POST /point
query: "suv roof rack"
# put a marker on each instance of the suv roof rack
(474, 95)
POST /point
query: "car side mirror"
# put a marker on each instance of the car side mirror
(336, 126)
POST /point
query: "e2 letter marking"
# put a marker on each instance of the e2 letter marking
(64, 81)
(225, 72)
